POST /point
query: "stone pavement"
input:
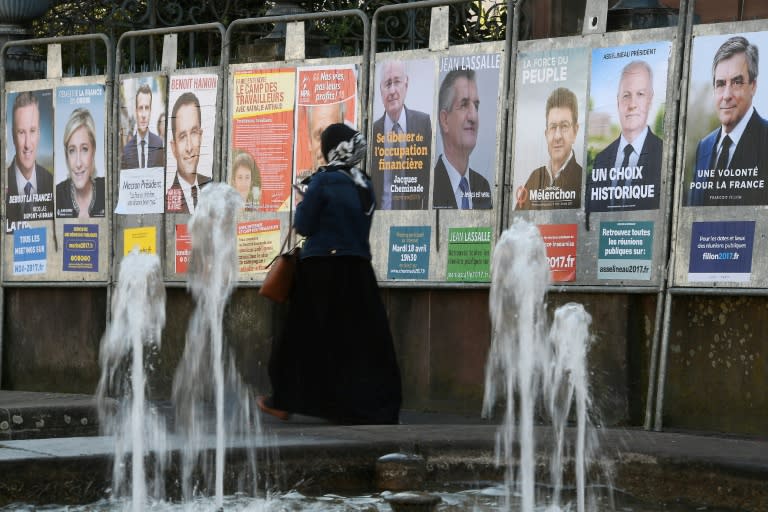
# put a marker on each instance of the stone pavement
(44, 430)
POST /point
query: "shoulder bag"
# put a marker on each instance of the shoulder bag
(282, 269)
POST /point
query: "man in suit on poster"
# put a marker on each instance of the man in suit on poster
(562, 174)
(144, 149)
(635, 156)
(741, 140)
(456, 185)
(186, 139)
(395, 126)
(30, 186)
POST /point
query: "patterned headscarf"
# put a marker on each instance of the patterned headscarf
(344, 148)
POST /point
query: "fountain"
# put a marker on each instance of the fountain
(528, 363)
(204, 375)
(138, 317)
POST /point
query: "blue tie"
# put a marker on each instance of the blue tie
(28, 199)
(464, 187)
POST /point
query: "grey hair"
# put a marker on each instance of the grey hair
(731, 47)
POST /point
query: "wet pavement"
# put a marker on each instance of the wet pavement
(43, 429)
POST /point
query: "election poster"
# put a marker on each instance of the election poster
(140, 191)
(81, 248)
(262, 127)
(721, 251)
(626, 125)
(467, 136)
(409, 252)
(142, 239)
(258, 243)
(469, 255)
(402, 133)
(141, 146)
(550, 109)
(726, 155)
(190, 139)
(625, 250)
(79, 167)
(560, 245)
(325, 95)
(30, 253)
(28, 158)
(142, 122)
(182, 249)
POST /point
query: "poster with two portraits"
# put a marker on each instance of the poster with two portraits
(724, 179)
(56, 225)
(588, 153)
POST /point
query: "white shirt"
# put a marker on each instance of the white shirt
(187, 189)
(139, 138)
(735, 135)
(637, 146)
(455, 178)
(21, 181)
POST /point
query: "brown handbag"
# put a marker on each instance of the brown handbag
(279, 279)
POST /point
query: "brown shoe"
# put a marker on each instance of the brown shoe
(263, 402)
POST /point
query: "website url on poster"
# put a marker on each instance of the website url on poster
(631, 269)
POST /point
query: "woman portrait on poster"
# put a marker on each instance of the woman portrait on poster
(335, 358)
(81, 195)
(246, 179)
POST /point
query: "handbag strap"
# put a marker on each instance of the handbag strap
(280, 252)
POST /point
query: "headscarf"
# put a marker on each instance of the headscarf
(344, 148)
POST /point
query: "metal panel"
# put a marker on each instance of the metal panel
(489, 150)
(701, 119)
(57, 271)
(294, 61)
(426, 68)
(588, 241)
(164, 223)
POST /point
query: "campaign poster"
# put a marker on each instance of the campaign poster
(550, 109)
(625, 250)
(28, 158)
(467, 136)
(408, 252)
(726, 155)
(142, 122)
(258, 243)
(81, 248)
(183, 249)
(142, 145)
(469, 255)
(142, 239)
(721, 251)
(325, 95)
(192, 114)
(262, 127)
(560, 244)
(626, 125)
(30, 254)
(401, 145)
(80, 158)
(140, 191)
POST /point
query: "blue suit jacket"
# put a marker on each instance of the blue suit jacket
(751, 151)
(155, 153)
(445, 198)
(650, 160)
(420, 124)
(14, 211)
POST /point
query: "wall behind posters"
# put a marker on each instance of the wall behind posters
(441, 335)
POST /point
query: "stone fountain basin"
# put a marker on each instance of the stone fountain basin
(316, 458)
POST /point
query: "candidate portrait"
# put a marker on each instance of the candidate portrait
(731, 163)
(558, 183)
(626, 175)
